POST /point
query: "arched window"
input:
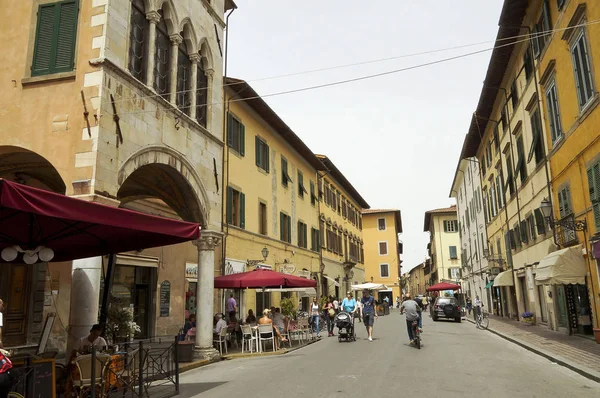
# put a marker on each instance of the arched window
(201, 94)
(162, 56)
(184, 74)
(138, 41)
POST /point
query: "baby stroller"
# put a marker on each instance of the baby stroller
(345, 324)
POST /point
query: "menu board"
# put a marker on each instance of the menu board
(165, 298)
(36, 380)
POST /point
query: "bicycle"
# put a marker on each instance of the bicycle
(482, 320)
(416, 334)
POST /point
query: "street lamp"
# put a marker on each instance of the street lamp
(265, 254)
(569, 224)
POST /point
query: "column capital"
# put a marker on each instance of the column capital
(195, 58)
(208, 240)
(209, 73)
(176, 39)
(153, 17)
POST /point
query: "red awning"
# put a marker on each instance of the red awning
(74, 228)
(261, 278)
(443, 286)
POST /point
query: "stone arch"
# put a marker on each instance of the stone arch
(189, 36)
(206, 54)
(27, 167)
(161, 172)
(169, 15)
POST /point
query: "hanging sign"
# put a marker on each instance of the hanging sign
(165, 298)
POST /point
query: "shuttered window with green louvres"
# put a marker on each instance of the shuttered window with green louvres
(56, 31)
(564, 202)
(594, 187)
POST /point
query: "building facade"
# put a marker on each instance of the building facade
(271, 197)
(444, 244)
(341, 226)
(568, 66)
(381, 233)
(116, 102)
(479, 267)
(416, 283)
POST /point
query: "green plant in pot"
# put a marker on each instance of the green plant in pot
(288, 307)
(120, 326)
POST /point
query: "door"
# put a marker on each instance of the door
(543, 304)
(561, 303)
(140, 310)
(16, 303)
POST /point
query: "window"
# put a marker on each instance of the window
(262, 218)
(55, 35)
(285, 228)
(384, 270)
(541, 31)
(450, 226)
(540, 222)
(301, 188)
(510, 179)
(531, 227)
(482, 164)
(594, 187)
(313, 197)
(454, 273)
(496, 142)
(201, 94)
(493, 199)
(236, 208)
(334, 200)
(236, 135)
(528, 63)
(560, 4)
(553, 112)
(488, 155)
(138, 41)
(504, 118)
(302, 234)
(285, 177)
(315, 239)
(514, 97)
(524, 232)
(162, 56)
(453, 253)
(582, 71)
(537, 145)
(383, 250)
(564, 202)
(501, 188)
(521, 165)
(381, 224)
(184, 75)
(517, 235)
(262, 154)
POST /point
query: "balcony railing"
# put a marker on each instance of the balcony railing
(566, 236)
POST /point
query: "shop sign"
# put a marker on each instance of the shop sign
(288, 269)
(191, 271)
(303, 274)
(234, 267)
(165, 298)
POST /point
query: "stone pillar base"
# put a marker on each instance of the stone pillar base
(210, 354)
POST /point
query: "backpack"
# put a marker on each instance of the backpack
(5, 363)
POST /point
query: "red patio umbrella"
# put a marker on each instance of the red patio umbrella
(443, 286)
(75, 228)
(261, 278)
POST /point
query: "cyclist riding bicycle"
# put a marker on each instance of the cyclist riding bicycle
(413, 313)
(477, 305)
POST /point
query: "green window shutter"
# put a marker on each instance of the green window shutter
(453, 252)
(594, 187)
(299, 234)
(539, 222)
(229, 211)
(561, 205)
(524, 233)
(67, 32)
(289, 227)
(229, 130)
(242, 210)
(242, 139)
(281, 226)
(305, 233)
(449, 273)
(445, 227)
(268, 162)
(44, 40)
(257, 150)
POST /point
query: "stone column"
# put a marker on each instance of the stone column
(194, 59)
(205, 295)
(154, 18)
(176, 40)
(210, 74)
(85, 294)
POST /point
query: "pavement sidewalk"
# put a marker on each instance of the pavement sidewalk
(579, 354)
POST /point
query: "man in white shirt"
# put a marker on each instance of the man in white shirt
(85, 344)
(221, 323)
(336, 304)
(477, 306)
(1, 321)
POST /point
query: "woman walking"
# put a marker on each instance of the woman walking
(314, 314)
(329, 311)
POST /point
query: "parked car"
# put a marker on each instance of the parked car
(446, 307)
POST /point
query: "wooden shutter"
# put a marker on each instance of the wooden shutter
(242, 210)
(453, 252)
(445, 226)
(43, 40)
(594, 188)
(299, 234)
(281, 226)
(305, 235)
(258, 150)
(289, 229)
(230, 130)
(524, 232)
(242, 138)
(229, 210)
(539, 222)
(67, 31)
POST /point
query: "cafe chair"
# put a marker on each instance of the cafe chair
(265, 333)
(221, 340)
(249, 339)
(83, 364)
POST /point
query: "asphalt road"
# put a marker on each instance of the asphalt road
(456, 360)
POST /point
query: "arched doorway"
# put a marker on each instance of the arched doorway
(160, 181)
(20, 282)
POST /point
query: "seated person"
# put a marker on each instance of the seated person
(189, 323)
(265, 320)
(84, 344)
(251, 318)
(279, 320)
(221, 324)
(234, 325)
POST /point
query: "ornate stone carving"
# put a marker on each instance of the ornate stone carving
(153, 17)
(208, 240)
(176, 39)
(195, 58)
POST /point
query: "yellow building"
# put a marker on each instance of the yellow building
(88, 110)
(569, 66)
(341, 225)
(416, 281)
(271, 196)
(381, 230)
(444, 244)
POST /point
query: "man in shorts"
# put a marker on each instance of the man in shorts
(368, 312)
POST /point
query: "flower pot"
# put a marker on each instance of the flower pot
(185, 351)
(597, 335)
(530, 321)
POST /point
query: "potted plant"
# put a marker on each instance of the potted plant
(120, 327)
(288, 307)
(528, 317)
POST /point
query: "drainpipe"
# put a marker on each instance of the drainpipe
(225, 180)
(320, 281)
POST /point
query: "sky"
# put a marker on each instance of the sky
(397, 138)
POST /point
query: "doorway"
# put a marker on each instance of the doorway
(543, 304)
(561, 303)
(14, 291)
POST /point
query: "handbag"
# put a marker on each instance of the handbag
(331, 312)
